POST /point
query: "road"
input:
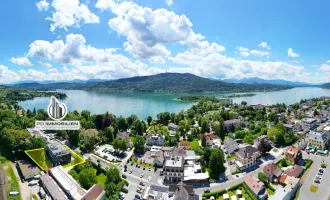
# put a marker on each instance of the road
(324, 187)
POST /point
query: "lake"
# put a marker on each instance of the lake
(145, 104)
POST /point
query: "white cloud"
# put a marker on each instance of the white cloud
(169, 2)
(52, 70)
(23, 61)
(328, 61)
(149, 31)
(314, 66)
(264, 45)
(71, 13)
(325, 67)
(44, 64)
(88, 61)
(259, 53)
(42, 5)
(7, 76)
(244, 52)
(292, 54)
(220, 66)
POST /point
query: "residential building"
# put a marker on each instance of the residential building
(226, 100)
(293, 154)
(263, 138)
(256, 187)
(308, 123)
(317, 139)
(182, 191)
(28, 169)
(230, 125)
(275, 110)
(96, 192)
(155, 192)
(287, 192)
(155, 139)
(185, 145)
(123, 135)
(294, 171)
(57, 153)
(230, 146)
(174, 168)
(192, 169)
(52, 188)
(270, 124)
(246, 157)
(158, 158)
(172, 127)
(209, 138)
(272, 171)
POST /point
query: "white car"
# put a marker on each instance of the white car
(130, 171)
(141, 176)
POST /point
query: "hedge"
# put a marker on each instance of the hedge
(216, 194)
(308, 163)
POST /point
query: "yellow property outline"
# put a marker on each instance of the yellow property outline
(74, 154)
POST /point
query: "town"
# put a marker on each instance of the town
(214, 150)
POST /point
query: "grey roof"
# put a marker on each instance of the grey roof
(158, 188)
(247, 151)
(318, 136)
(230, 145)
(28, 169)
(123, 135)
(53, 188)
(56, 148)
(183, 192)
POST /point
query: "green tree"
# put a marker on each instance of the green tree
(139, 127)
(122, 124)
(87, 178)
(109, 133)
(74, 137)
(263, 178)
(138, 144)
(90, 138)
(123, 145)
(149, 120)
(203, 142)
(216, 166)
(205, 124)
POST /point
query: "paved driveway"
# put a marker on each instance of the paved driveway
(324, 187)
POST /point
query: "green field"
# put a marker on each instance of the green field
(39, 157)
(194, 145)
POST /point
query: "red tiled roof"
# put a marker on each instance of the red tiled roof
(295, 171)
(292, 150)
(211, 135)
(184, 143)
(283, 177)
(253, 184)
(272, 169)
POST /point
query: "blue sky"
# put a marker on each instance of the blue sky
(107, 39)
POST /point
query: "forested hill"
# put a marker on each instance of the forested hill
(176, 82)
(326, 86)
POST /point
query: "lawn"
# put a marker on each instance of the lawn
(39, 157)
(270, 191)
(12, 184)
(100, 179)
(232, 157)
(313, 188)
(283, 163)
(194, 145)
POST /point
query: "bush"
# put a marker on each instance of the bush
(323, 165)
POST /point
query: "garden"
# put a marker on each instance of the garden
(231, 192)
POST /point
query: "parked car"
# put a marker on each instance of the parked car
(130, 171)
(124, 190)
(137, 196)
(141, 176)
(124, 176)
(316, 181)
(141, 183)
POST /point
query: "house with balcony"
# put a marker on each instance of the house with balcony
(293, 154)
(308, 123)
(155, 139)
(246, 157)
(317, 139)
(256, 187)
(209, 138)
(173, 169)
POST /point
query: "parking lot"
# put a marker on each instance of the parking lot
(139, 170)
(319, 176)
(106, 152)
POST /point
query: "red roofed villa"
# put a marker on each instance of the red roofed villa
(209, 138)
(256, 187)
(184, 145)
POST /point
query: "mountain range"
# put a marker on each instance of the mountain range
(256, 80)
(168, 82)
(165, 82)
